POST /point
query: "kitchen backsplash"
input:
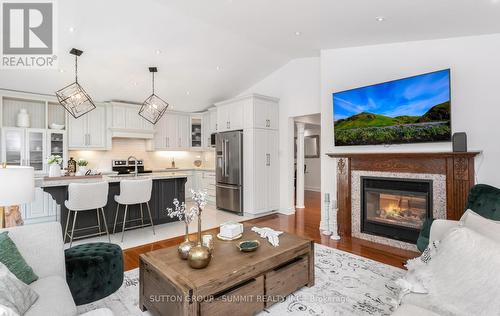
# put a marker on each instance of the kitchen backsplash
(153, 160)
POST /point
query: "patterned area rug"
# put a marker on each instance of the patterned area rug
(345, 284)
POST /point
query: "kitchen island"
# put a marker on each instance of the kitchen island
(166, 187)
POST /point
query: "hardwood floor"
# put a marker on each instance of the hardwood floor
(304, 223)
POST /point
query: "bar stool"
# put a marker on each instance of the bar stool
(85, 197)
(134, 192)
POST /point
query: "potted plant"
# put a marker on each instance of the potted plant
(54, 162)
(82, 167)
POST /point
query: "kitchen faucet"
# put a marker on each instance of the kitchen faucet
(135, 161)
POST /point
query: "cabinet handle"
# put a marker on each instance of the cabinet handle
(268, 159)
(179, 142)
(89, 140)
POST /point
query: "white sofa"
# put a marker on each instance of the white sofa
(438, 230)
(42, 247)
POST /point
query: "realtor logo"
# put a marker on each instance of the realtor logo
(28, 35)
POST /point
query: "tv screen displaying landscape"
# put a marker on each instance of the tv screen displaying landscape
(409, 110)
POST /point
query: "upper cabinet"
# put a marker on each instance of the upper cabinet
(88, 131)
(173, 132)
(252, 111)
(124, 121)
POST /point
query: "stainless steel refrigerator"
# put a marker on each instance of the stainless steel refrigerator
(229, 187)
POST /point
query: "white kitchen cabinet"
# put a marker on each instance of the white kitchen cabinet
(124, 121)
(57, 144)
(230, 116)
(43, 208)
(261, 167)
(213, 120)
(251, 111)
(172, 132)
(88, 131)
(205, 130)
(264, 113)
(25, 147)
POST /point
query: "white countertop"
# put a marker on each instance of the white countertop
(170, 174)
(184, 169)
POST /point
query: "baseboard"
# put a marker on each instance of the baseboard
(315, 189)
(287, 211)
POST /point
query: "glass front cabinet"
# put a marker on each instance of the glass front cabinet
(25, 147)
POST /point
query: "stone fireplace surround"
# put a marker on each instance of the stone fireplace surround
(438, 196)
(452, 174)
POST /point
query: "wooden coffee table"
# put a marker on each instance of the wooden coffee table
(234, 283)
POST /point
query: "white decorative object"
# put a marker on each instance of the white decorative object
(271, 235)
(54, 162)
(333, 221)
(230, 229)
(54, 170)
(56, 126)
(327, 231)
(23, 118)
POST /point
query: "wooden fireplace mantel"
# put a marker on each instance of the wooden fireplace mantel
(458, 167)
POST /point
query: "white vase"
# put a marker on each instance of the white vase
(81, 170)
(23, 118)
(54, 170)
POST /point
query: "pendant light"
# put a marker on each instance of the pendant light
(73, 97)
(154, 107)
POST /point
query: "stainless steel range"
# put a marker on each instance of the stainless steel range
(128, 166)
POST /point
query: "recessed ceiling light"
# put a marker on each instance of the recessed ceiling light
(158, 52)
(188, 93)
(380, 19)
(61, 70)
(71, 29)
(218, 67)
(298, 33)
(135, 84)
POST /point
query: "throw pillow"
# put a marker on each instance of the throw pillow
(482, 225)
(14, 261)
(15, 296)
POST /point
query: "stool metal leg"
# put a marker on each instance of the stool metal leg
(116, 217)
(67, 224)
(98, 220)
(142, 214)
(151, 218)
(73, 230)
(124, 221)
(105, 224)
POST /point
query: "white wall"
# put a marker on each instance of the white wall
(475, 84)
(297, 85)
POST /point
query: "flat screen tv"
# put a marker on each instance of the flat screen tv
(410, 110)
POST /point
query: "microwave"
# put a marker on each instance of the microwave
(212, 139)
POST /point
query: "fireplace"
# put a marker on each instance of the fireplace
(395, 208)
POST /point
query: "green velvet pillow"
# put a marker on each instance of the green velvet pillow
(12, 259)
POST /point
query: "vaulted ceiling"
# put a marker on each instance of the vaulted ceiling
(209, 50)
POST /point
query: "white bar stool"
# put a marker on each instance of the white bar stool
(134, 192)
(84, 197)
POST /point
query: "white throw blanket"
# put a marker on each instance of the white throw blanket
(462, 278)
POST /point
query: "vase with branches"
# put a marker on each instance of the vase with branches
(186, 215)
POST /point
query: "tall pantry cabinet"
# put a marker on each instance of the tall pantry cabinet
(257, 116)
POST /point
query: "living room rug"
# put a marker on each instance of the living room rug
(345, 284)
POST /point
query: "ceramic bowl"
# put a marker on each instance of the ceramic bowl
(56, 126)
(248, 245)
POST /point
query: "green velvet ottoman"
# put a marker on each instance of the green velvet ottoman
(93, 271)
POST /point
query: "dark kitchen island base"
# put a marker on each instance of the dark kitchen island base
(163, 193)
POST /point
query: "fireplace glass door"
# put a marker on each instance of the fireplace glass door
(395, 208)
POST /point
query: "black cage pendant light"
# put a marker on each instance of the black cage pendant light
(72, 97)
(154, 107)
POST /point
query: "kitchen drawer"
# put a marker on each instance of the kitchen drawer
(243, 299)
(286, 279)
